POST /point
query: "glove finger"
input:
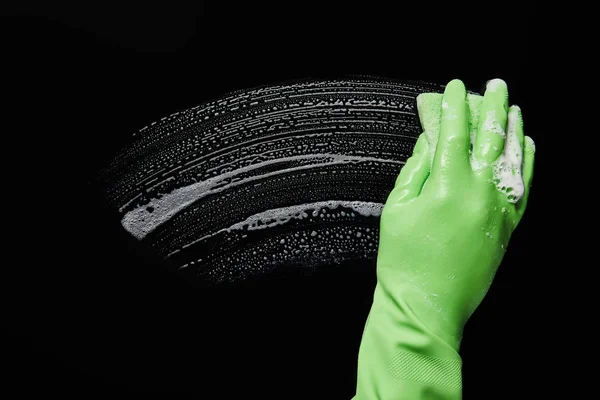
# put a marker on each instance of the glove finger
(528, 163)
(491, 130)
(451, 159)
(414, 173)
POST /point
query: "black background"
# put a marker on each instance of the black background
(90, 310)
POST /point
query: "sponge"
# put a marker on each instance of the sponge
(429, 106)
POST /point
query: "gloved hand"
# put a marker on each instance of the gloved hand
(444, 230)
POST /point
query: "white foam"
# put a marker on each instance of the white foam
(491, 124)
(283, 215)
(494, 84)
(139, 222)
(507, 169)
(530, 142)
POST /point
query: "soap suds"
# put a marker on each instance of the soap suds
(283, 176)
(492, 125)
(146, 218)
(507, 168)
(493, 85)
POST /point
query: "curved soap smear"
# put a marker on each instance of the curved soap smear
(284, 176)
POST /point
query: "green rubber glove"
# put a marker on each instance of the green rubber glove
(444, 230)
